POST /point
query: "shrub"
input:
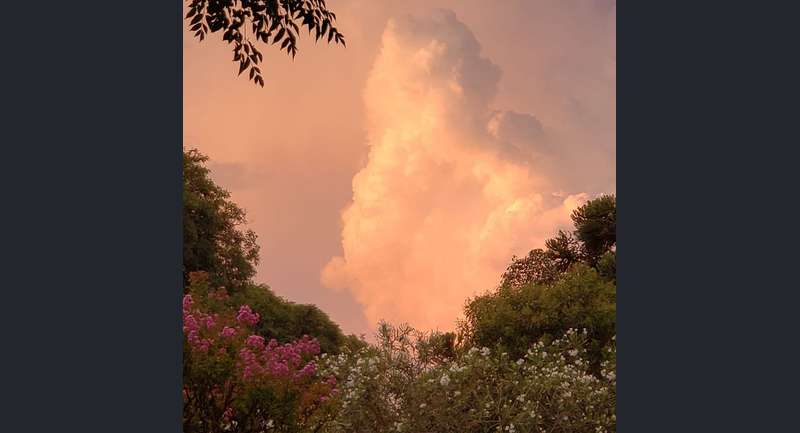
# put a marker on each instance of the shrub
(236, 381)
(388, 388)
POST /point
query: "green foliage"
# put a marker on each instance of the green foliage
(390, 388)
(230, 382)
(269, 21)
(537, 267)
(215, 243)
(564, 251)
(515, 318)
(596, 226)
(213, 238)
(593, 241)
(286, 321)
(607, 266)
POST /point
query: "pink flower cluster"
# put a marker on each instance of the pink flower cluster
(282, 361)
(257, 358)
(194, 321)
(255, 341)
(331, 382)
(187, 303)
(246, 316)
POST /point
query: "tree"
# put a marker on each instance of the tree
(286, 321)
(564, 251)
(592, 243)
(213, 238)
(234, 379)
(596, 226)
(269, 21)
(607, 266)
(537, 267)
(214, 243)
(516, 318)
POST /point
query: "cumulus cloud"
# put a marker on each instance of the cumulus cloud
(452, 187)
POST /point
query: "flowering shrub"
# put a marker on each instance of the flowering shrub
(236, 381)
(388, 389)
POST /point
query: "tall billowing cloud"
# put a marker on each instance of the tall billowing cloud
(452, 187)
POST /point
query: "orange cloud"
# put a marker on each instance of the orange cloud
(452, 188)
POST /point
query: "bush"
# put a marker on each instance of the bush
(234, 380)
(387, 388)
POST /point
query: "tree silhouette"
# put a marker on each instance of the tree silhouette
(269, 21)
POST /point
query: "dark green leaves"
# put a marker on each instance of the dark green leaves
(596, 225)
(215, 238)
(271, 22)
(278, 37)
(243, 65)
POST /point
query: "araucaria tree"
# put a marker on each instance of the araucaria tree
(571, 284)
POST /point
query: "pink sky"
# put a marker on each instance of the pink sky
(485, 126)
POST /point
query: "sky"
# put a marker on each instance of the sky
(395, 178)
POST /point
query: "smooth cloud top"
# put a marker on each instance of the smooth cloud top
(452, 188)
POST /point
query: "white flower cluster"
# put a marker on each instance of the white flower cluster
(551, 384)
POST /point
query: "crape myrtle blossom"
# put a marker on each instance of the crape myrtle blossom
(227, 331)
(246, 316)
(228, 369)
(257, 358)
(274, 360)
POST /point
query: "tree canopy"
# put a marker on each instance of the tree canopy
(516, 318)
(593, 243)
(571, 284)
(269, 21)
(596, 226)
(214, 238)
(286, 321)
(220, 253)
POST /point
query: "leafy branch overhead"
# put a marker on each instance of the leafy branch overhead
(269, 21)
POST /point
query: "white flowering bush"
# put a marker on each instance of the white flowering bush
(390, 387)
